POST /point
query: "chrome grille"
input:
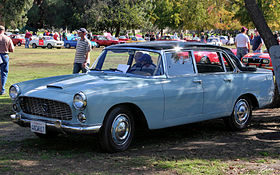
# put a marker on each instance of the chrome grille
(45, 108)
(254, 60)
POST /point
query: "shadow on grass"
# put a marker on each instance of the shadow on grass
(5, 108)
(205, 141)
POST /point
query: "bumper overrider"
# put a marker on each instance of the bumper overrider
(57, 125)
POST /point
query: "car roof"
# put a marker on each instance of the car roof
(164, 45)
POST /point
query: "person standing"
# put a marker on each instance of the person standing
(82, 57)
(27, 38)
(242, 43)
(6, 46)
(257, 43)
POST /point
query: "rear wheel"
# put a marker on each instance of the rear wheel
(34, 45)
(68, 45)
(241, 114)
(19, 43)
(97, 45)
(117, 130)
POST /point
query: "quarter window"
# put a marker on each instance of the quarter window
(208, 61)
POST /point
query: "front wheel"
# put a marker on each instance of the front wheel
(241, 114)
(49, 46)
(117, 130)
(19, 43)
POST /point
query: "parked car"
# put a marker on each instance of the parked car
(134, 39)
(165, 87)
(73, 43)
(102, 40)
(115, 40)
(169, 38)
(18, 40)
(123, 38)
(261, 60)
(46, 41)
(214, 41)
(226, 41)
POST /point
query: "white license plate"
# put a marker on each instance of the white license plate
(253, 66)
(39, 127)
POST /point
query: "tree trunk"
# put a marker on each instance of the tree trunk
(118, 29)
(269, 39)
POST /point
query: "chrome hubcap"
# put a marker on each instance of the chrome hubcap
(121, 129)
(241, 111)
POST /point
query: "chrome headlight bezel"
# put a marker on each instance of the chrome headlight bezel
(14, 91)
(245, 60)
(265, 61)
(80, 101)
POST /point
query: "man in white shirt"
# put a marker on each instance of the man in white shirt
(242, 43)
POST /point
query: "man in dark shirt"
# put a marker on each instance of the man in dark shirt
(257, 43)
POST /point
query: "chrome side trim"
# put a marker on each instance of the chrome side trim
(58, 125)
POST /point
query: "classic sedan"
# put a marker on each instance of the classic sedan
(18, 40)
(46, 41)
(103, 40)
(163, 87)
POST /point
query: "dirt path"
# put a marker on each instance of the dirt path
(254, 151)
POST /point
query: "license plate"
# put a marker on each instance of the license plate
(253, 66)
(39, 127)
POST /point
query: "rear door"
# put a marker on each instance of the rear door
(217, 75)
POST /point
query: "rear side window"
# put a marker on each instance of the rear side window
(208, 61)
(179, 63)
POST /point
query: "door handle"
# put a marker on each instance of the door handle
(197, 81)
(228, 79)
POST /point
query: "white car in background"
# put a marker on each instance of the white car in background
(214, 41)
(227, 41)
(46, 41)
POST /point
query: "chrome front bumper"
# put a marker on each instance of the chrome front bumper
(57, 125)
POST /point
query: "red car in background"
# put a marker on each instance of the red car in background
(169, 38)
(114, 40)
(261, 60)
(103, 40)
(18, 40)
(123, 38)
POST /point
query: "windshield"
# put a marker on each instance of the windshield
(129, 62)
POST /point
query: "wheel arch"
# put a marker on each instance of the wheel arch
(253, 99)
(138, 115)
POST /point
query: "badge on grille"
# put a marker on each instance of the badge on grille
(45, 107)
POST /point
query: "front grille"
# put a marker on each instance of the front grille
(254, 60)
(45, 108)
(257, 60)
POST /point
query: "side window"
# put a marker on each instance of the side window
(227, 63)
(208, 61)
(179, 63)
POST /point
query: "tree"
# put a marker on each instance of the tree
(266, 34)
(13, 12)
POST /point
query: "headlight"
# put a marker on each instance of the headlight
(245, 60)
(14, 91)
(80, 101)
(265, 61)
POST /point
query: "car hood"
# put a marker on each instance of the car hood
(91, 82)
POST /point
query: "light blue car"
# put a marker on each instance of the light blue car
(149, 85)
